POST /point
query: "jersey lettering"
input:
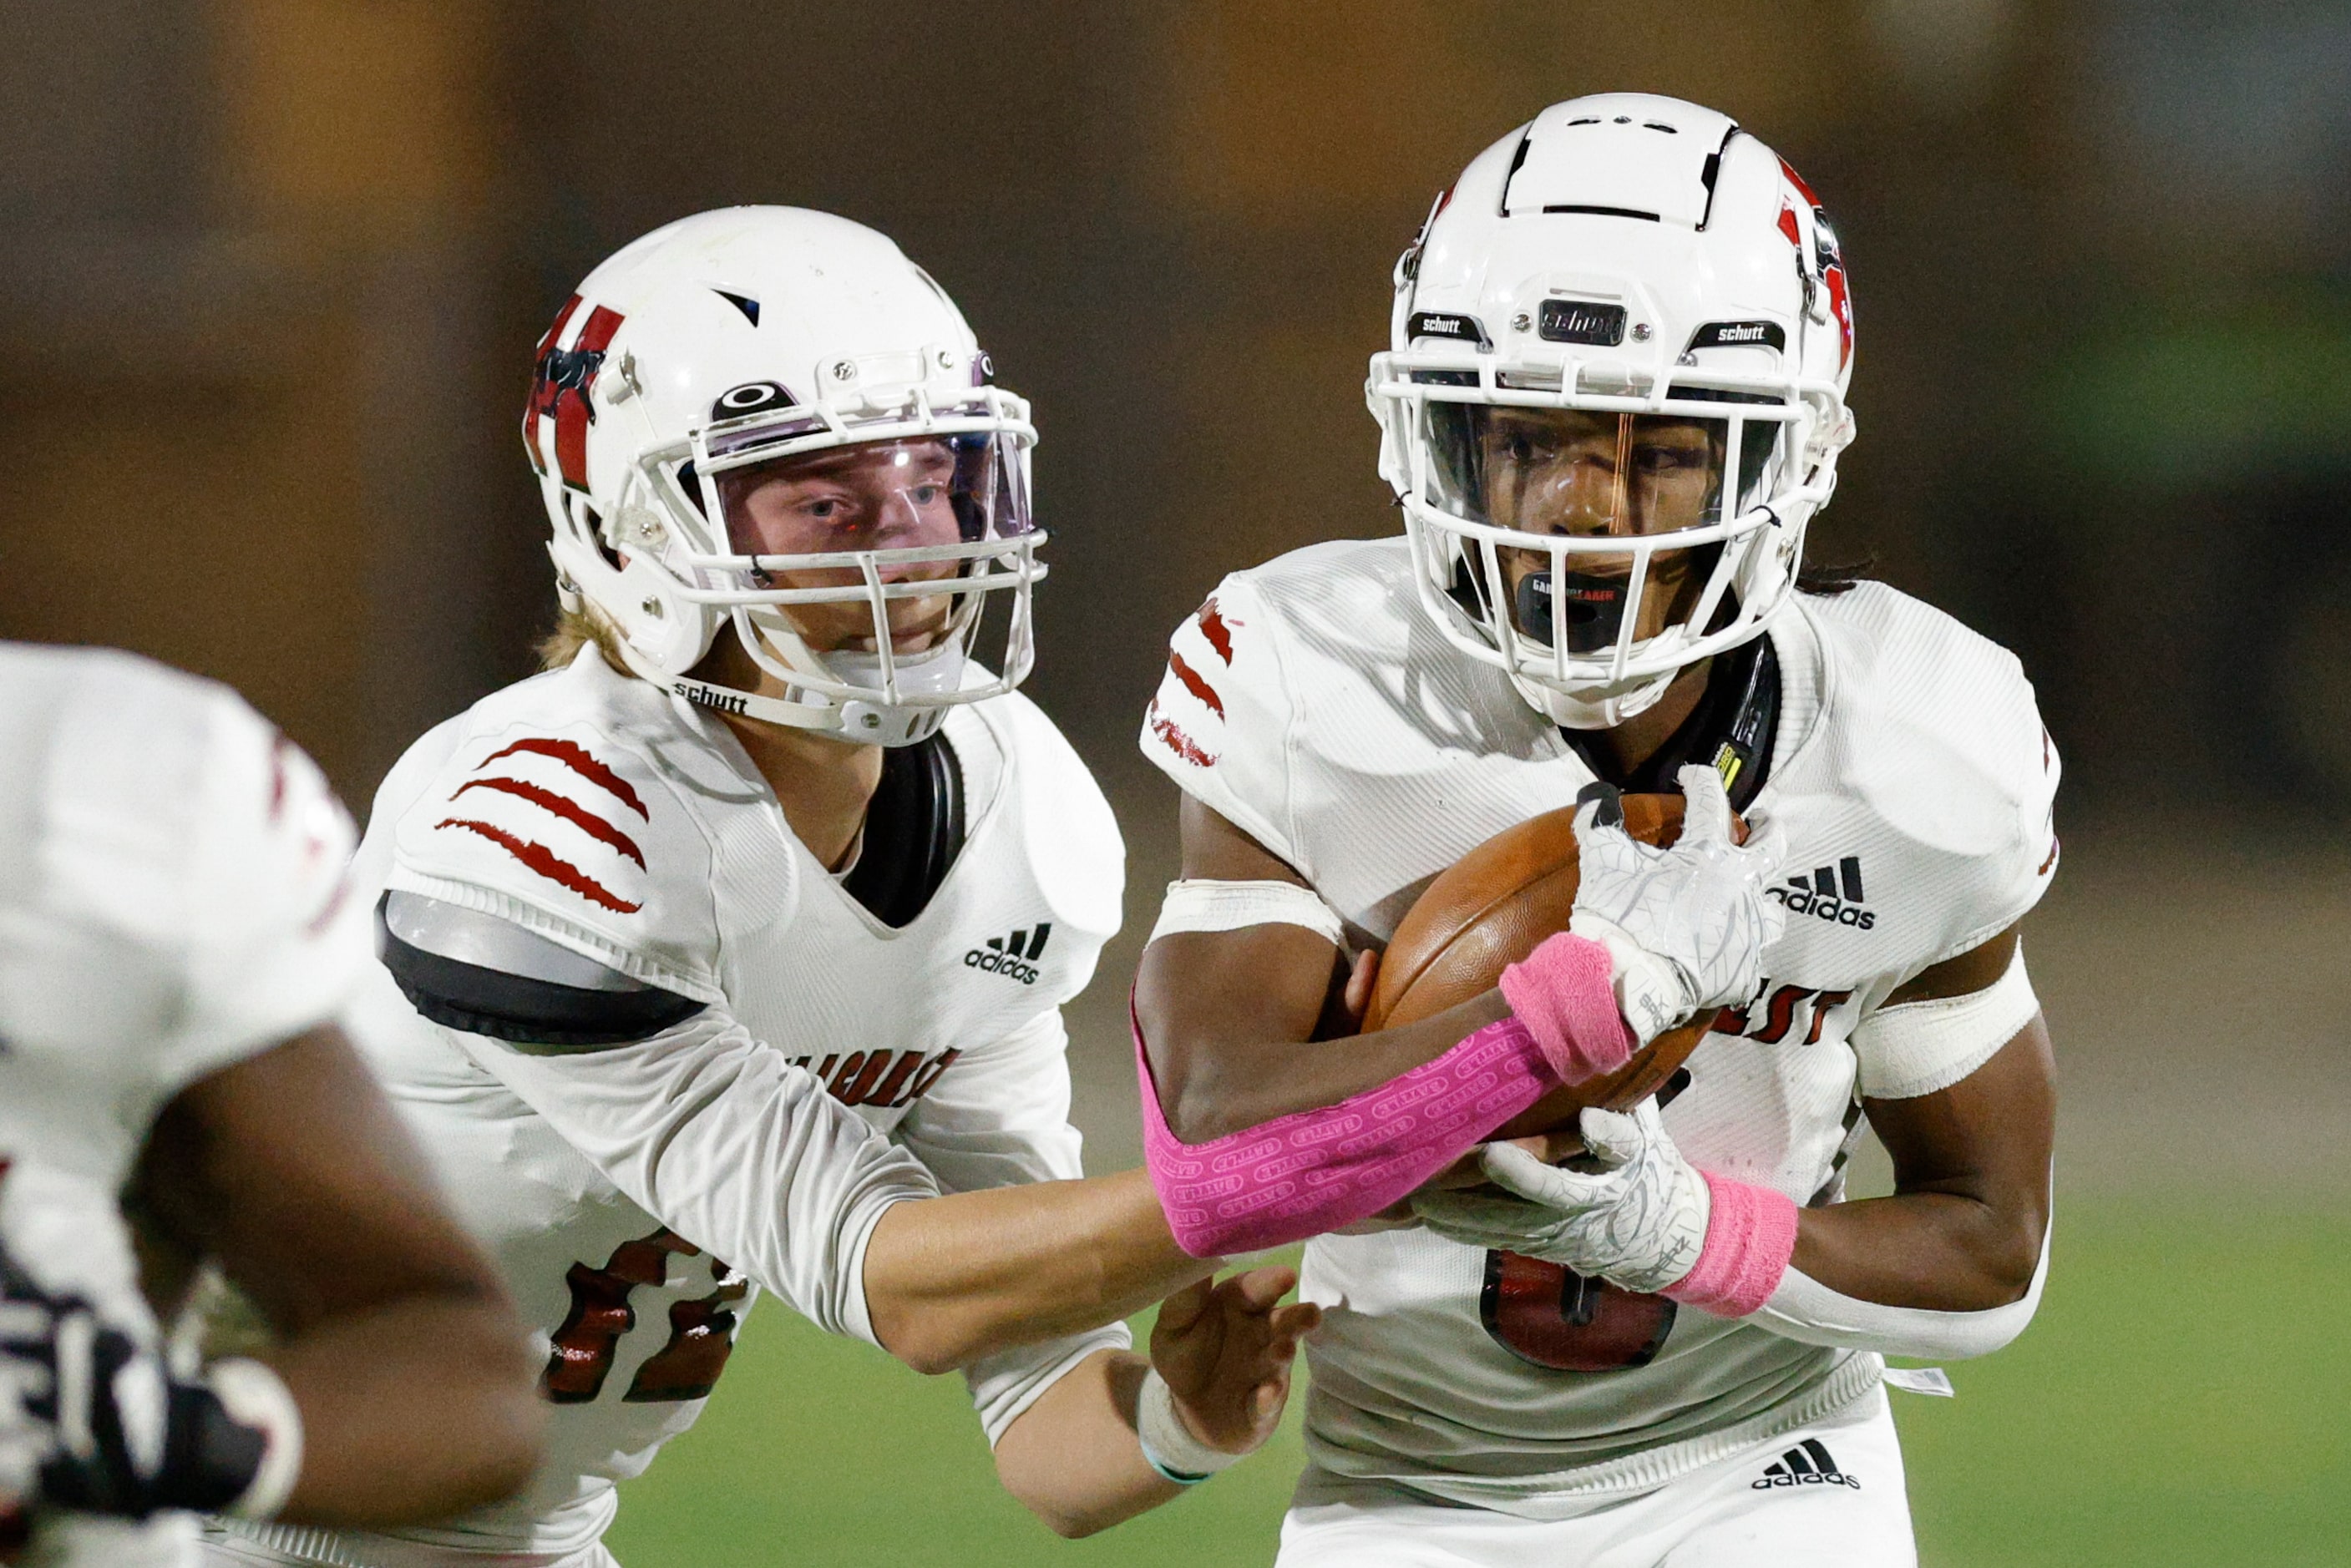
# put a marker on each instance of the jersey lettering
(701, 1337)
(1778, 1012)
(889, 1079)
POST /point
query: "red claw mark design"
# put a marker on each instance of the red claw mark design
(575, 756)
(1217, 630)
(1177, 741)
(1196, 685)
(1798, 181)
(580, 816)
(547, 863)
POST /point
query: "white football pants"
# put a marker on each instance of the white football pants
(222, 1550)
(1830, 1495)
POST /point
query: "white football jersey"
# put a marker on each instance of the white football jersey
(637, 1196)
(1311, 704)
(173, 899)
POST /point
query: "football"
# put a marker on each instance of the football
(1490, 910)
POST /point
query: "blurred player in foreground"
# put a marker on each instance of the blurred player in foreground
(176, 940)
(767, 828)
(1614, 398)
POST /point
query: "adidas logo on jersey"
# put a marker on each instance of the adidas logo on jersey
(1806, 1464)
(1014, 956)
(1819, 894)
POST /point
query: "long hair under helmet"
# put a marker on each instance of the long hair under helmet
(1615, 397)
(769, 418)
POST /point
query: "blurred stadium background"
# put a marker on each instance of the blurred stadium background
(273, 268)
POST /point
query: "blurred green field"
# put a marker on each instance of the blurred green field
(2158, 1412)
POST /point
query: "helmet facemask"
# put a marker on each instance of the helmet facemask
(856, 559)
(1596, 547)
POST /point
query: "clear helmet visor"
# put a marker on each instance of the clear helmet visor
(894, 513)
(862, 551)
(1579, 512)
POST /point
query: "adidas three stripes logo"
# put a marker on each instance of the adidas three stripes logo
(1832, 893)
(1015, 956)
(1806, 1464)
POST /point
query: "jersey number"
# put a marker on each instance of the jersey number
(701, 1332)
(1556, 1318)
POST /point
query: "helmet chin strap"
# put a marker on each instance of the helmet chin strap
(869, 723)
(1605, 712)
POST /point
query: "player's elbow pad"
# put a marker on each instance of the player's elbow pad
(1805, 1310)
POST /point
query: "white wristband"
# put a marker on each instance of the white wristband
(1168, 1447)
(1202, 905)
(255, 1396)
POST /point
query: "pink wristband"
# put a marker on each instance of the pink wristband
(1562, 992)
(1751, 1234)
(1311, 1171)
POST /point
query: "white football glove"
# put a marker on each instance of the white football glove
(1686, 927)
(1639, 1222)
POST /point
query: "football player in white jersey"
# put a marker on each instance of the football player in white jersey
(177, 938)
(717, 951)
(1615, 397)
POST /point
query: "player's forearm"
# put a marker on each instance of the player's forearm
(1942, 1251)
(1963, 1231)
(1215, 1086)
(949, 1280)
(1072, 1458)
(417, 1409)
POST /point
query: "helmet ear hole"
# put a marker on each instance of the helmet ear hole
(689, 483)
(590, 526)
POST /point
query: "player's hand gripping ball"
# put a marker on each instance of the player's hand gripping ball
(1497, 903)
(1685, 924)
(1637, 1220)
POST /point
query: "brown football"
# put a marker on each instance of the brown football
(1491, 908)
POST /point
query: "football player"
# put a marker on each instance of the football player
(177, 937)
(1615, 395)
(767, 865)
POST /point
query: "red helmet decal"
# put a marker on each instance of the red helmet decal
(559, 385)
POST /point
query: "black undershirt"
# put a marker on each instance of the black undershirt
(913, 831)
(1732, 728)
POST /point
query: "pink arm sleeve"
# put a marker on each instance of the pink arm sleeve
(1312, 1171)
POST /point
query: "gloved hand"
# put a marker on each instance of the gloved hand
(1685, 927)
(91, 1420)
(1640, 1222)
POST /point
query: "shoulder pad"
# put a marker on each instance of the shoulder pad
(1218, 722)
(1074, 847)
(1943, 740)
(554, 809)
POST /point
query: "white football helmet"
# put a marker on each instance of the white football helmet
(770, 417)
(1615, 397)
